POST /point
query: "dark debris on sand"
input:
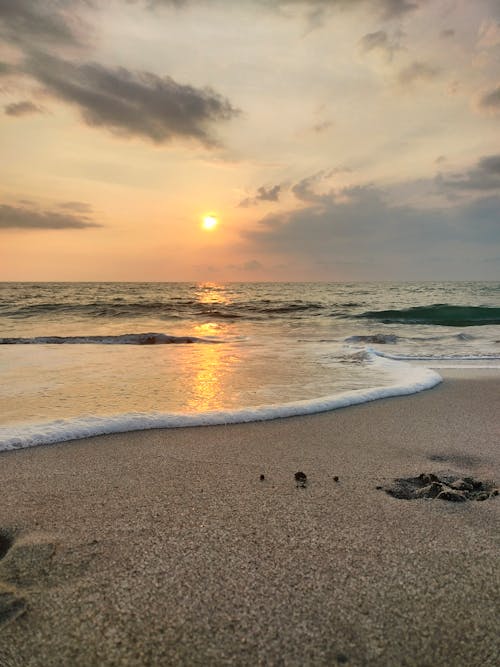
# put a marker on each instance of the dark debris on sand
(453, 487)
(301, 479)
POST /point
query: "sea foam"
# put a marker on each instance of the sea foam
(407, 380)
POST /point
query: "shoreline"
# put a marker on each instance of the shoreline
(166, 547)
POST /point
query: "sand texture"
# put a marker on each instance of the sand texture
(167, 547)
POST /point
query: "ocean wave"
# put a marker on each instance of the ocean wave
(409, 380)
(438, 314)
(124, 339)
(374, 339)
(459, 357)
(172, 309)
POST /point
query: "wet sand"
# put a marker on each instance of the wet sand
(167, 547)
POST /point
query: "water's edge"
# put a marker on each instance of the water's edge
(62, 430)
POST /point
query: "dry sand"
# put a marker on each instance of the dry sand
(166, 548)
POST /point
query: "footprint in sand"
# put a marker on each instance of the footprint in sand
(30, 562)
(12, 604)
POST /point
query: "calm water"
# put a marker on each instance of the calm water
(113, 356)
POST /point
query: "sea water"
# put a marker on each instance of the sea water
(80, 359)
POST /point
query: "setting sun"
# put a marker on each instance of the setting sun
(209, 222)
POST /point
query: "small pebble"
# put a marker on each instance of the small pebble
(335, 479)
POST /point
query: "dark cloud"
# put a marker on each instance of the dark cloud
(41, 23)
(264, 193)
(358, 225)
(387, 9)
(21, 217)
(133, 104)
(490, 101)
(446, 34)
(381, 42)
(6, 69)
(23, 108)
(417, 71)
(484, 176)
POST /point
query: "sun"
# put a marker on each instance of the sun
(210, 222)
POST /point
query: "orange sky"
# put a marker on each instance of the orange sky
(333, 141)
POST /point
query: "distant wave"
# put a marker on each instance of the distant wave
(173, 309)
(124, 339)
(437, 314)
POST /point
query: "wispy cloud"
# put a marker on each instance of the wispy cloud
(24, 217)
(381, 42)
(490, 100)
(417, 71)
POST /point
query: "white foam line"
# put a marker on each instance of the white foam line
(17, 437)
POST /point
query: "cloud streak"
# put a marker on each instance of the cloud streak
(131, 103)
(21, 217)
(23, 108)
(264, 193)
(484, 176)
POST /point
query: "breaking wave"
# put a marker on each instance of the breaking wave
(438, 314)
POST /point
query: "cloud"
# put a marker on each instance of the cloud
(304, 189)
(358, 226)
(6, 69)
(23, 108)
(78, 206)
(490, 100)
(484, 176)
(447, 33)
(130, 103)
(21, 217)
(270, 193)
(380, 41)
(251, 265)
(31, 23)
(322, 126)
(386, 9)
(417, 71)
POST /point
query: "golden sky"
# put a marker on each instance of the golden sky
(331, 139)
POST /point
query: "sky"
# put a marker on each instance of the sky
(333, 140)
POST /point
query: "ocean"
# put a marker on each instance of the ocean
(81, 359)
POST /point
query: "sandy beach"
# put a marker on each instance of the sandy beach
(166, 547)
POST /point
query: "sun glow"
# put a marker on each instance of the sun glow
(210, 222)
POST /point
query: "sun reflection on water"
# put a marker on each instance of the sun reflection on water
(212, 293)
